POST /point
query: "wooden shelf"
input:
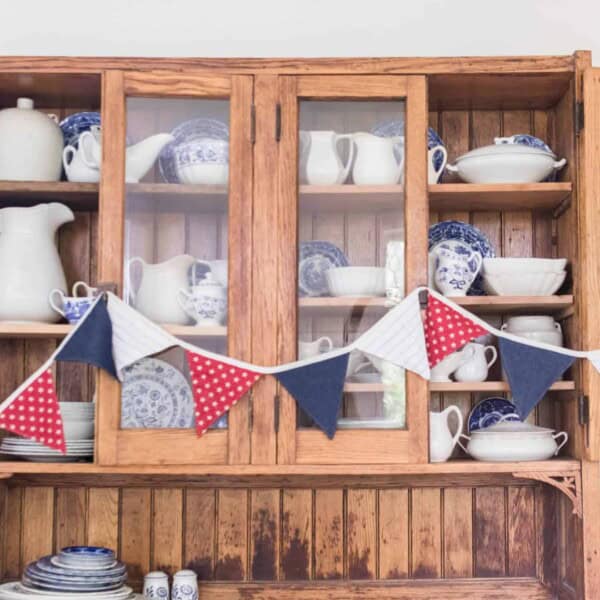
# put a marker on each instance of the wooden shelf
(78, 196)
(511, 196)
(52, 330)
(476, 304)
(340, 198)
(179, 196)
(483, 386)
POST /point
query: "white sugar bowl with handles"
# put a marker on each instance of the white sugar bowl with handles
(441, 441)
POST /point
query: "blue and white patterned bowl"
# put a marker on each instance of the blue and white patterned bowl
(74, 125)
(189, 135)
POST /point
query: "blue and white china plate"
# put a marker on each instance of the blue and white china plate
(89, 552)
(448, 231)
(185, 134)
(314, 259)
(489, 412)
(42, 584)
(17, 591)
(57, 562)
(74, 125)
(395, 127)
(46, 565)
(33, 572)
(155, 395)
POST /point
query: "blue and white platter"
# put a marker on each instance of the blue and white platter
(489, 411)
(74, 125)
(187, 134)
(47, 565)
(314, 259)
(155, 395)
(451, 231)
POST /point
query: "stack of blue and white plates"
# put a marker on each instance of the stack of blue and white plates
(76, 572)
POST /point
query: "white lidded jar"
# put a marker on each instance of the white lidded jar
(31, 144)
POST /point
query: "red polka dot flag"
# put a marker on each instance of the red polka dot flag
(35, 414)
(217, 387)
(446, 330)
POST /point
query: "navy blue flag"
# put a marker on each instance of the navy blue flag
(91, 341)
(318, 388)
(531, 371)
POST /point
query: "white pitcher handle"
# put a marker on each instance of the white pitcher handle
(182, 296)
(348, 165)
(328, 343)
(565, 435)
(452, 168)
(462, 435)
(89, 291)
(479, 260)
(88, 160)
(453, 408)
(67, 156)
(130, 263)
(494, 355)
(199, 262)
(442, 149)
(559, 164)
(53, 293)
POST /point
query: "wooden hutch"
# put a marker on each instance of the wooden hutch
(269, 507)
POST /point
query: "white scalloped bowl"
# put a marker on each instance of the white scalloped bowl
(356, 281)
(514, 266)
(523, 284)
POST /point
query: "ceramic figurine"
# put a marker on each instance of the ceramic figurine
(31, 144)
(453, 272)
(320, 161)
(157, 295)
(378, 161)
(441, 441)
(185, 585)
(156, 586)
(206, 302)
(30, 267)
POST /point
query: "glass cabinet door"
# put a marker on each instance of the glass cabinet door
(183, 142)
(357, 193)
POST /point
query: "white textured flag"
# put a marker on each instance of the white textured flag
(133, 335)
(399, 338)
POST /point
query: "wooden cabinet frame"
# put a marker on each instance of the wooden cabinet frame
(116, 446)
(364, 446)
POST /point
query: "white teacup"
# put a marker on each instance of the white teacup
(319, 346)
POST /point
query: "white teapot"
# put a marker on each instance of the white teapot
(378, 159)
(441, 441)
(475, 366)
(206, 302)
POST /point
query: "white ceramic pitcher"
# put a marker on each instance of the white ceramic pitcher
(476, 364)
(378, 159)
(30, 266)
(441, 440)
(320, 162)
(160, 283)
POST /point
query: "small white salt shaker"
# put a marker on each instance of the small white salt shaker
(185, 585)
(156, 586)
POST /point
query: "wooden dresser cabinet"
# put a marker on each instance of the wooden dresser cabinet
(267, 506)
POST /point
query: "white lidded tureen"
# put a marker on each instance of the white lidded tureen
(511, 441)
(506, 163)
(31, 144)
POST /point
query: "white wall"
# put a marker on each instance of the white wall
(298, 28)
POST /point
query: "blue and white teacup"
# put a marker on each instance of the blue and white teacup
(453, 273)
(72, 308)
(204, 161)
(185, 585)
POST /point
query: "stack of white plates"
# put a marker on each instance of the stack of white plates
(77, 572)
(78, 420)
(33, 451)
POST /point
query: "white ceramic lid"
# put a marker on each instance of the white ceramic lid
(513, 427)
(503, 150)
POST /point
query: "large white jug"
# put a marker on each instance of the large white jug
(156, 297)
(320, 162)
(379, 160)
(30, 266)
(441, 441)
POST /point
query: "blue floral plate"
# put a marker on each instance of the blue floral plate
(47, 565)
(186, 134)
(489, 412)
(314, 259)
(448, 231)
(74, 125)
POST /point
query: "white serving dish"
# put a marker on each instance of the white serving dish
(513, 266)
(356, 281)
(523, 284)
(78, 430)
(514, 441)
(506, 163)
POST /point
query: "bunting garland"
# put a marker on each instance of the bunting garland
(112, 336)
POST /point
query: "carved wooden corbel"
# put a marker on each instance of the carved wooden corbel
(568, 483)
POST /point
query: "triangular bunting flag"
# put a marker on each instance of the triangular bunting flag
(446, 330)
(217, 387)
(531, 371)
(318, 388)
(398, 337)
(33, 412)
(91, 342)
